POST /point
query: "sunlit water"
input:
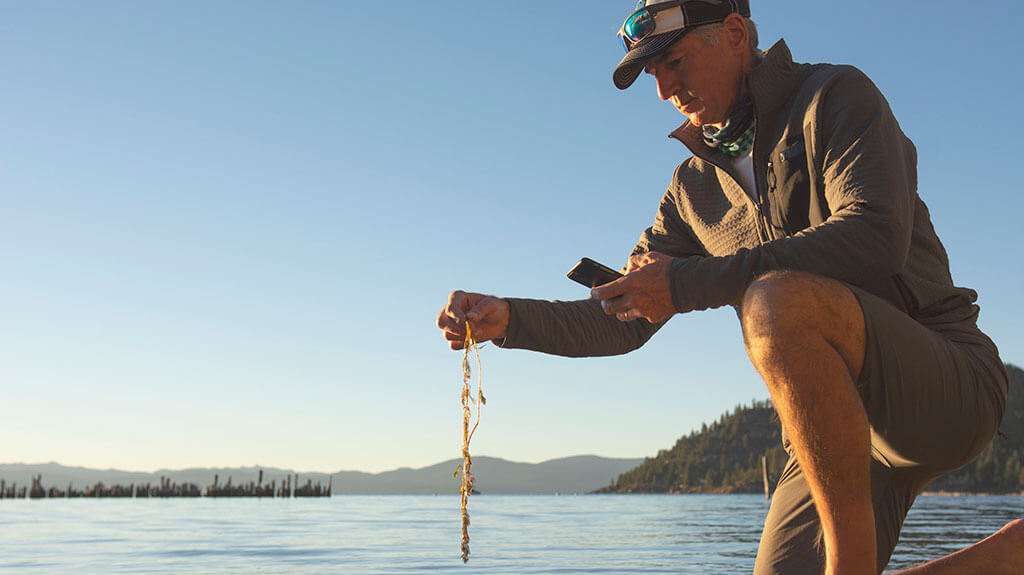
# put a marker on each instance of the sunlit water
(417, 534)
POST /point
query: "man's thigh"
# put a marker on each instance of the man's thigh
(933, 402)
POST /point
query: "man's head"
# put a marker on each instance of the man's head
(697, 50)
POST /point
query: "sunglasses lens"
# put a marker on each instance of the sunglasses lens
(637, 26)
(626, 44)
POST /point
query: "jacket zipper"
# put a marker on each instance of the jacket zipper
(771, 182)
(759, 205)
(763, 225)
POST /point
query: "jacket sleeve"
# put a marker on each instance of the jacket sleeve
(867, 169)
(581, 328)
(669, 235)
(572, 328)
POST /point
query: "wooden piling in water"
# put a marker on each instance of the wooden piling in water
(288, 488)
(764, 475)
(37, 491)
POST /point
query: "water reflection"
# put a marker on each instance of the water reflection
(698, 534)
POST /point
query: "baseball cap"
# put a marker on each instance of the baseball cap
(657, 24)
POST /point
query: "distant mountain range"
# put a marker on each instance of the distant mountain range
(579, 474)
(724, 457)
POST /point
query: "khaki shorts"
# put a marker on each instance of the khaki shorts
(934, 399)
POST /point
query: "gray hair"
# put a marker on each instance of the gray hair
(709, 33)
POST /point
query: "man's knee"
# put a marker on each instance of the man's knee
(782, 310)
(776, 302)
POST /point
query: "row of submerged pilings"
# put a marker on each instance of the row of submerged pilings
(168, 488)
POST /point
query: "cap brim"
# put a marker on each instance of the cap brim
(634, 61)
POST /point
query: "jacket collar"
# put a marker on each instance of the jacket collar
(770, 83)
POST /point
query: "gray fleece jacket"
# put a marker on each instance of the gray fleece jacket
(837, 196)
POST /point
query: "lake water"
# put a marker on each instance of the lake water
(697, 534)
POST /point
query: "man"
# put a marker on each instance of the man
(799, 208)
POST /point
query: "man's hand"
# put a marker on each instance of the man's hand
(487, 316)
(642, 293)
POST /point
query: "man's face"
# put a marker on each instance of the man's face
(702, 81)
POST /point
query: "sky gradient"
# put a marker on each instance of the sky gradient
(228, 227)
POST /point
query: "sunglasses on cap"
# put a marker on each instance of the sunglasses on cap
(645, 20)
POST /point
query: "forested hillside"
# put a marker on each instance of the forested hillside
(725, 457)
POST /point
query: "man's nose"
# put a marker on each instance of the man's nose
(666, 86)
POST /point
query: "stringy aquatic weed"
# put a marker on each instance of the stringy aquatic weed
(467, 433)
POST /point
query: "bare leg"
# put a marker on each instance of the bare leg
(1001, 553)
(805, 335)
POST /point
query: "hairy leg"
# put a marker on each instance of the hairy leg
(1001, 553)
(805, 335)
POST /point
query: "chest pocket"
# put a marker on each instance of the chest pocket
(789, 188)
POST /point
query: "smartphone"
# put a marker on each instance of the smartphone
(592, 274)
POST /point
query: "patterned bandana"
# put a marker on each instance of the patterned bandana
(737, 135)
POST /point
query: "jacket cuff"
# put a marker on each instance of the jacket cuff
(677, 285)
(511, 329)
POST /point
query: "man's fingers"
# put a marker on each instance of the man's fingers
(634, 262)
(450, 330)
(457, 302)
(611, 289)
(618, 304)
(640, 260)
(629, 315)
(446, 320)
(452, 319)
(488, 316)
(483, 308)
(455, 340)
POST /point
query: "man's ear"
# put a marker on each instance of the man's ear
(736, 33)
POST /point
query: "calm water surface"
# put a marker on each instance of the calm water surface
(419, 534)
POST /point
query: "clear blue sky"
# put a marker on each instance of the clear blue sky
(227, 227)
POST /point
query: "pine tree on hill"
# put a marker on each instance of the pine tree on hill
(725, 457)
